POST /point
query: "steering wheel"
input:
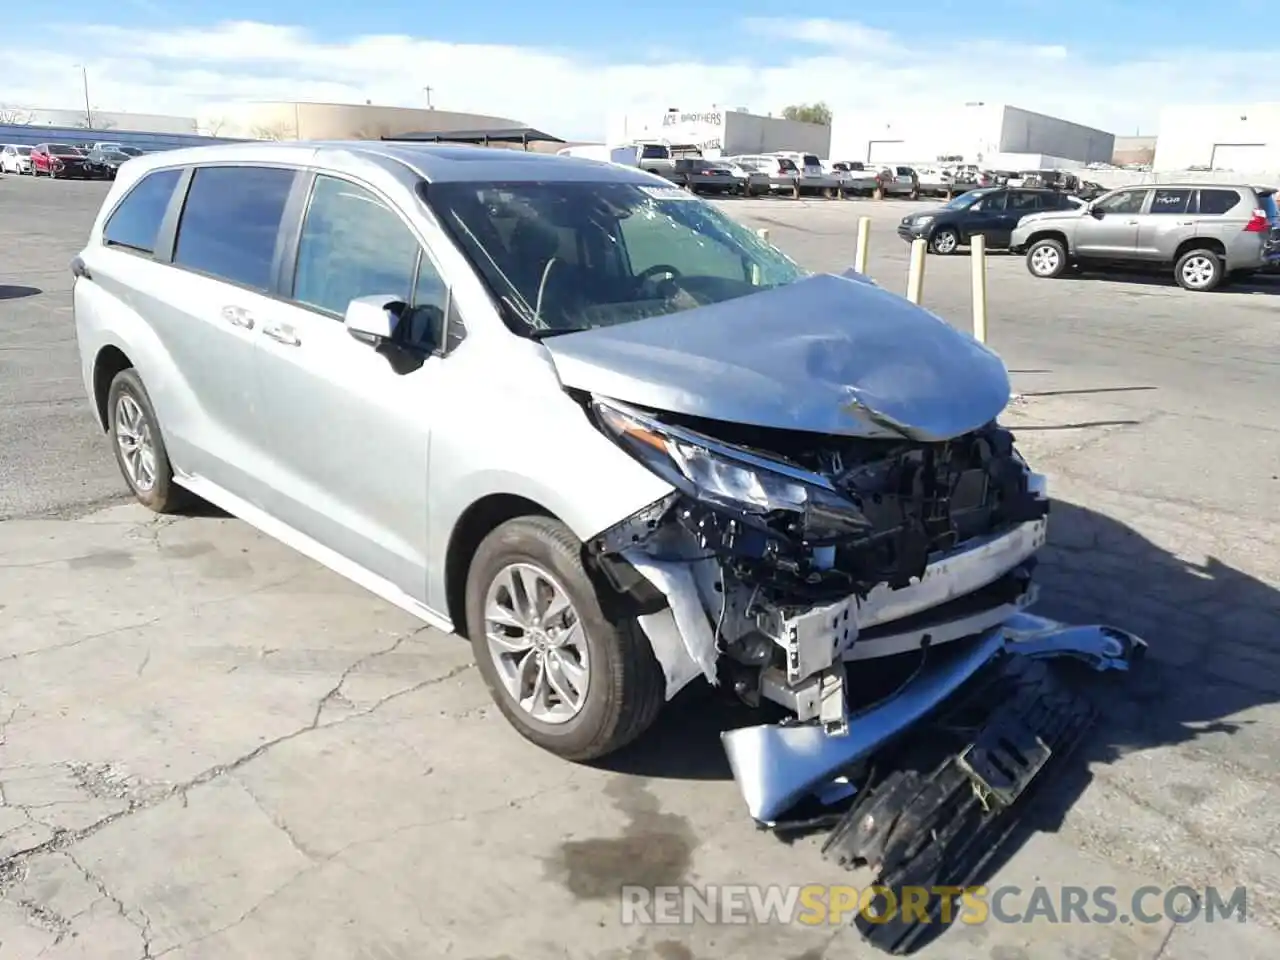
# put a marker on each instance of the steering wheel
(657, 270)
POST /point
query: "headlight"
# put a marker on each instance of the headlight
(723, 476)
(921, 221)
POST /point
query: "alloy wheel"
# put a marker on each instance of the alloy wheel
(137, 447)
(537, 642)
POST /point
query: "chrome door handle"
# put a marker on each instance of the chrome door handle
(283, 335)
(1131, 223)
(237, 317)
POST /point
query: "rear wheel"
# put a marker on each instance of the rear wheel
(564, 674)
(139, 446)
(1199, 270)
(1047, 259)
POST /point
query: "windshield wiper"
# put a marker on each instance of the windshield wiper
(543, 332)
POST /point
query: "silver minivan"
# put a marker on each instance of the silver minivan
(563, 408)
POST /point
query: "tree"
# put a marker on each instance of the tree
(274, 131)
(818, 113)
(213, 126)
(15, 116)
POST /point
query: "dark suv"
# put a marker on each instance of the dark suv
(992, 212)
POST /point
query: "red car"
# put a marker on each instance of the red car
(57, 160)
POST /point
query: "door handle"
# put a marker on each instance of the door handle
(237, 317)
(283, 335)
(1186, 223)
(1131, 223)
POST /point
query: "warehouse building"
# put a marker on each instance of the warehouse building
(718, 132)
(1243, 139)
(289, 120)
(100, 121)
(971, 133)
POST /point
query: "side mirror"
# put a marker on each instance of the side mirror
(1096, 212)
(373, 319)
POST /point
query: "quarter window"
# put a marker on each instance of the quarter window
(135, 223)
(1022, 201)
(1215, 203)
(230, 223)
(1170, 201)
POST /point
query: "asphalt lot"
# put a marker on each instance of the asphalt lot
(210, 747)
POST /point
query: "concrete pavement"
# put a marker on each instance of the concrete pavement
(212, 748)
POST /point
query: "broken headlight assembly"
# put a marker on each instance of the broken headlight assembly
(723, 476)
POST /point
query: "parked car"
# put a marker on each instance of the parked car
(855, 177)
(751, 183)
(57, 160)
(103, 163)
(992, 212)
(334, 343)
(705, 176)
(813, 176)
(781, 173)
(1206, 234)
(15, 158)
(899, 181)
(660, 158)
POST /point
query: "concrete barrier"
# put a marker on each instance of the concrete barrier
(915, 272)
(978, 264)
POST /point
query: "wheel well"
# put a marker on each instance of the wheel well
(110, 361)
(1200, 243)
(477, 522)
(1048, 235)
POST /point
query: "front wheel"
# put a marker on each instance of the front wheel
(1047, 259)
(944, 241)
(568, 677)
(1198, 270)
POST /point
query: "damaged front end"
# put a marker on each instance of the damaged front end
(797, 565)
(786, 555)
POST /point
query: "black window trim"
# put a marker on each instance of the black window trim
(295, 213)
(164, 237)
(173, 218)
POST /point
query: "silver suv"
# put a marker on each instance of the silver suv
(564, 408)
(1205, 233)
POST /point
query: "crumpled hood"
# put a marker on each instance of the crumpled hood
(828, 354)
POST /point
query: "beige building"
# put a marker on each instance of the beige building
(278, 120)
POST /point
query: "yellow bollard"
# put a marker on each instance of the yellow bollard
(915, 275)
(864, 242)
(978, 256)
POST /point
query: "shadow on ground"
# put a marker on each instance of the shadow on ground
(1093, 570)
(18, 292)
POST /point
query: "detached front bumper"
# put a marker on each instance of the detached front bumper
(777, 766)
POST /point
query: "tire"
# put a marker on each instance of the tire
(1047, 259)
(1199, 270)
(944, 242)
(625, 687)
(130, 415)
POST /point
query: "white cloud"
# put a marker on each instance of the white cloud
(850, 66)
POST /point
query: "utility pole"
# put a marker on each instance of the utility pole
(88, 114)
(427, 91)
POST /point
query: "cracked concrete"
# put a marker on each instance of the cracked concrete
(211, 748)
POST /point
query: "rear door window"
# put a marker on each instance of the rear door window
(230, 223)
(1024, 200)
(1170, 201)
(135, 223)
(1214, 203)
(786, 165)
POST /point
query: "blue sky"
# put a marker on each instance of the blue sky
(564, 64)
